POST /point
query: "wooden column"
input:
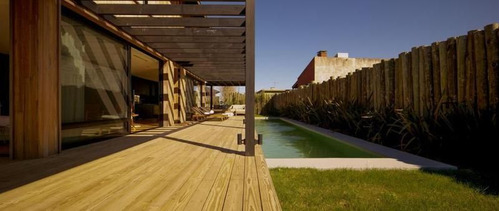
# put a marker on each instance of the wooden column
(176, 94)
(182, 95)
(168, 93)
(203, 95)
(250, 79)
(211, 97)
(35, 113)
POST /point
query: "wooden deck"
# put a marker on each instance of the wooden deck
(197, 168)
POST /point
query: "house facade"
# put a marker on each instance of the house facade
(76, 72)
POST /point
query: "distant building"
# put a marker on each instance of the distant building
(270, 92)
(322, 67)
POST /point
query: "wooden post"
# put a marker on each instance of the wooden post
(168, 93)
(408, 82)
(381, 85)
(451, 67)
(461, 51)
(176, 94)
(203, 99)
(389, 82)
(211, 97)
(250, 79)
(426, 90)
(182, 95)
(35, 110)
(470, 71)
(481, 71)
(376, 86)
(443, 72)
(415, 79)
(491, 36)
(436, 77)
(399, 81)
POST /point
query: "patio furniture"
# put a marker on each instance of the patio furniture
(237, 109)
(209, 116)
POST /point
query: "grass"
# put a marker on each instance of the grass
(310, 189)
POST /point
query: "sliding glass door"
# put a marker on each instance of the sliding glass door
(95, 84)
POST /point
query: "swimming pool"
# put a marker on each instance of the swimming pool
(284, 140)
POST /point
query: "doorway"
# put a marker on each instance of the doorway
(145, 76)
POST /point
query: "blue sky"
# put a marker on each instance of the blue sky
(290, 32)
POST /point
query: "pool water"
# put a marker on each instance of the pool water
(284, 140)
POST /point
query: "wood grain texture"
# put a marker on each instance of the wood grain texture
(451, 67)
(436, 74)
(168, 110)
(36, 124)
(460, 70)
(470, 71)
(481, 70)
(491, 39)
(461, 54)
(200, 167)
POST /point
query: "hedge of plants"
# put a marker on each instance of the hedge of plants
(455, 134)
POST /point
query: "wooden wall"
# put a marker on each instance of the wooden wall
(35, 114)
(459, 70)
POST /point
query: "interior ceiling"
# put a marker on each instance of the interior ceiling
(205, 37)
(144, 66)
(4, 25)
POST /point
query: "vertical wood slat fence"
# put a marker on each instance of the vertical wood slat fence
(459, 70)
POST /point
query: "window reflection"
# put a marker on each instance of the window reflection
(94, 85)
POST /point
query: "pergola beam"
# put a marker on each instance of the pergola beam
(201, 51)
(181, 22)
(193, 59)
(234, 31)
(190, 39)
(225, 83)
(198, 55)
(219, 69)
(198, 45)
(173, 9)
(219, 66)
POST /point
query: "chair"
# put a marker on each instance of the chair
(209, 116)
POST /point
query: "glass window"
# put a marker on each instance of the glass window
(94, 84)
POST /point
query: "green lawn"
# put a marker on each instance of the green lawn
(310, 189)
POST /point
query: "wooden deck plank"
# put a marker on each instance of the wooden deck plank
(215, 199)
(83, 178)
(251, 194)
(196, 168)
(234, 195)
(199, 197)
(160, 183)
(267, 192)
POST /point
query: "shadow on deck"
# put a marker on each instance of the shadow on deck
(191, 168)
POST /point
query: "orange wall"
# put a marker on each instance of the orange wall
(307, 76)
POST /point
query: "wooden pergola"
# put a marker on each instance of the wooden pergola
(212, 39)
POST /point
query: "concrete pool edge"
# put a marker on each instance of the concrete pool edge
(395, 159)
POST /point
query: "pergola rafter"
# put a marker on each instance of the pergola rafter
(200, 37)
